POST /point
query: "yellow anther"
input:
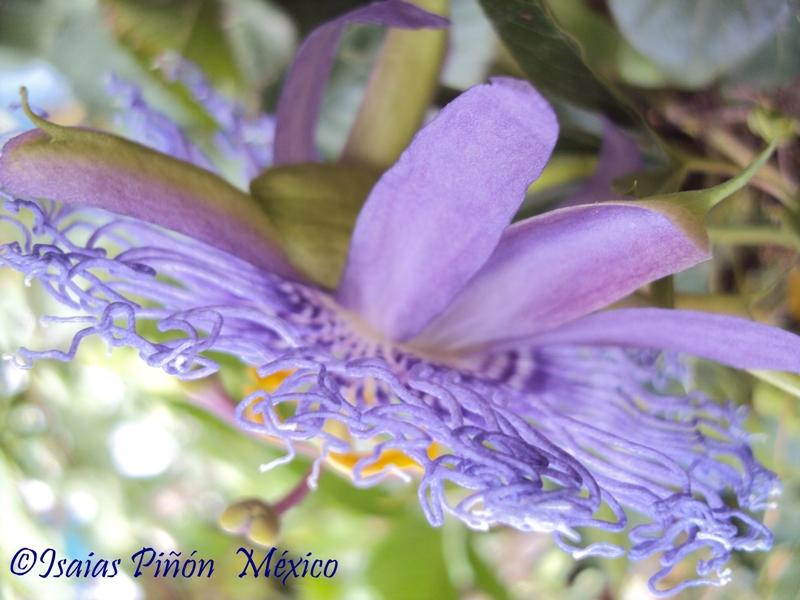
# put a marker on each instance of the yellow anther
(271, 382)
(345, 462)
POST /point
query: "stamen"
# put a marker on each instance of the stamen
(539, 439)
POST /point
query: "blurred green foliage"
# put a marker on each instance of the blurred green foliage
(696, 42)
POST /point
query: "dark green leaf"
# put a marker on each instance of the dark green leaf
(606, 52)
(307, 14)
(27, 25)
(551, 58)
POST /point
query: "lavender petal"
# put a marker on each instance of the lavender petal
(560, 266)
(729, 340)
(434, 218)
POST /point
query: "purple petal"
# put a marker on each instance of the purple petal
(434, 218)
(301, 97)
(90, 168)
(618, 156)
(559, 266)
(729, 340)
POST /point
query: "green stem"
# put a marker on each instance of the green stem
(713, 167)
(729, 146)
(294, 497)
(786, 382)
(753, 235)
(399, 93)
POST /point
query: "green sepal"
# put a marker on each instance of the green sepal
(688, 209)
(552, 59)
(314, 208)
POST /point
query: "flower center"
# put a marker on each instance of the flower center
(347, 336)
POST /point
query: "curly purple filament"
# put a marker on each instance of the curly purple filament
(530, 436)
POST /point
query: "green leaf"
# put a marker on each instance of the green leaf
(261, 38)
(358, 50)
(410, 563)
(776, 63)
(335, 489)
(551, 58)
(485, 577)
(191, 28)
(696, 41)
(403, 83)
(564, 168)
(606, 52)
(471, 46)
(755, 235)
(27, 25)
(314, 208)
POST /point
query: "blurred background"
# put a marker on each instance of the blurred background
(107, 455)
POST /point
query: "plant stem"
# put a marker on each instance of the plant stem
(294, 497)
(753, 235)
(767, 185)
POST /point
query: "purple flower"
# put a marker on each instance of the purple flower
(468, 344)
